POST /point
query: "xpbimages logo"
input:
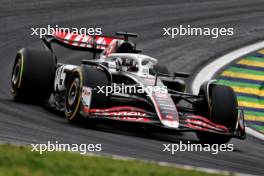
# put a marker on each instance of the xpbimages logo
(81, 148)
(190, 147)
(50, 30)
(130, 89)
(188, 30)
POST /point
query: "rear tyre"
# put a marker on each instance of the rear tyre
(223, 112)
(33, 75)
(84, 76)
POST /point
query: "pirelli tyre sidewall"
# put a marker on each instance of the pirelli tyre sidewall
(73, 95)
(89, 76)
(33, 75)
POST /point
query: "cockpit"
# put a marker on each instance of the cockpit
(135, 63)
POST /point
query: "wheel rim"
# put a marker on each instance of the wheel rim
(73, 91)
(17, 75)
(73, 97)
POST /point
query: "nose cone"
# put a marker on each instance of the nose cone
(170, 123)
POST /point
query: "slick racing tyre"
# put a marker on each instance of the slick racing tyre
(223, 112)
(87, 76)
(33, 75)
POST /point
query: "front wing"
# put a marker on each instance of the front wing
(186, 123)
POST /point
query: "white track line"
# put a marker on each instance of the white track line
(207, 72)
(255, 133)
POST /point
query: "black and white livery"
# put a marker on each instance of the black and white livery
(92, 89)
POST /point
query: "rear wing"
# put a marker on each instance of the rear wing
(92, 43)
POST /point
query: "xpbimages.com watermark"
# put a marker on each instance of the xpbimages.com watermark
(191, 147)
(50, 30)
(188, 30)
(130, 89)
(51, 146)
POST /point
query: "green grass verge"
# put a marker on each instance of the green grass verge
(18, 160)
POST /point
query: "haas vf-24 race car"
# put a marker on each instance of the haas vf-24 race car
(83, 91)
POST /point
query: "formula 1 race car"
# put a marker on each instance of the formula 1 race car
(120, 84)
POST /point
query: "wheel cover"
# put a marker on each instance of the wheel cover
(73, 91)
(17, 75)
(73, 95)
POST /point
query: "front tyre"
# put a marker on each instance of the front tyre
(73, 96)
(87, 76)
(223, 112)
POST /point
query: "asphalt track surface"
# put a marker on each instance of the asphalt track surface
(21, 123)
